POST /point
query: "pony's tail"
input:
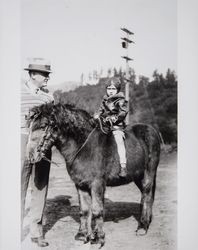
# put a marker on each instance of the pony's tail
(146, 132)
(162, 141)
(152, 139)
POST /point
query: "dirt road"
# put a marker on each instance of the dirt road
(121, 212)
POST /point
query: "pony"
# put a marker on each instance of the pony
(92, 161)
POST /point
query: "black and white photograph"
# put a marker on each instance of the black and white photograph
(99, 124)
(98, 116)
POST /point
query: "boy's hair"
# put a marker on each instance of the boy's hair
(115, 81)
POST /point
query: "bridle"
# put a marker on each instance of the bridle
(49, 138)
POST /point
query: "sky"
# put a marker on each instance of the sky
(79, 36)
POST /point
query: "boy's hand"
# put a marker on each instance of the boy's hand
(92, 122)
(96, 116)
(114, 118)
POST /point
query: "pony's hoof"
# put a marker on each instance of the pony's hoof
(87, 239)
(80, 236)
(101, 242)
(94, 238)
(43, 243)
(141, 232)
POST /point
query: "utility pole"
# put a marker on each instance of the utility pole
(125, 44)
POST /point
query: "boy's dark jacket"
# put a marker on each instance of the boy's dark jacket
(114, 106)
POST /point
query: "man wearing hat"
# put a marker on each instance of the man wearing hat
(32, 94)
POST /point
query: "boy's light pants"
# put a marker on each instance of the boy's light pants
(119, 138)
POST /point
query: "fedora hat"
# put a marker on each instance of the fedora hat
(39, 64)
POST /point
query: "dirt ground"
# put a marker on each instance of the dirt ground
(61, 217)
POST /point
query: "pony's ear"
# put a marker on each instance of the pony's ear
(32, 115)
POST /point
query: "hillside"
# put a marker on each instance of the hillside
(153, 102)
(65, 86)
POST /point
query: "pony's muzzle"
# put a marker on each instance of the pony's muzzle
(38, 157)
(38, 148)
(35, 157)
(41, 151)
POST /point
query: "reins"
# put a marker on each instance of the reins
(101, 125)
(71, 160)
(78, 151)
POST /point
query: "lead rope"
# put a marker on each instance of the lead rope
(50, 161)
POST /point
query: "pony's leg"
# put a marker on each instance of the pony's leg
(97, 193)
(147, 187)
(85, 215)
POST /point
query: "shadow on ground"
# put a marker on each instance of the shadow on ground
(60, 207)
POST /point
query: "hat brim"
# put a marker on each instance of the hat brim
(39, 70)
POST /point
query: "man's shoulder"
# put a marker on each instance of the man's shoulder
(48, 95)
(41, 96)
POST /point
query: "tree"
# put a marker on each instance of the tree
(170, 78)
(115, 72)
(143, 81)
(109, 72)
(156, 76)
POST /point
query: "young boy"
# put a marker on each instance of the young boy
(114, 107)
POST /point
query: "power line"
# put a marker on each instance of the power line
(125, 44)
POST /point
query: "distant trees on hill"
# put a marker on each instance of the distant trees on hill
(153, 102)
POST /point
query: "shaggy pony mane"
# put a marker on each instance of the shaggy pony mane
(71, 120)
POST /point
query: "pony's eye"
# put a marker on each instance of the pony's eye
(55, 128)
(43, 126)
